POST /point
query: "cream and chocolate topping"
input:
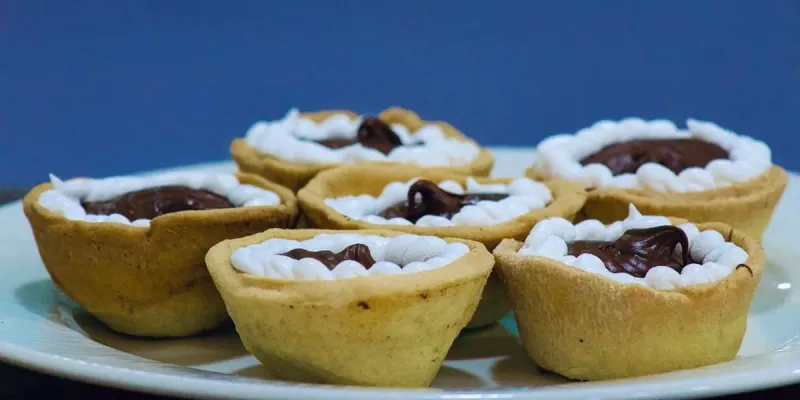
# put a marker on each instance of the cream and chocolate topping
(639, 250)
(675, 154)
(434, 201)
(357, 252)
(372, 133)
(152, 202)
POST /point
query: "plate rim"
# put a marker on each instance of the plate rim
(191, 383)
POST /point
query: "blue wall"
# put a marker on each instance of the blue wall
(107, 87)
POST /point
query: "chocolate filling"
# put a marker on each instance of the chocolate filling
(434, 201)
(356, 252)
(675, 154)
(152, 202)
(639, 250)
(372, 133)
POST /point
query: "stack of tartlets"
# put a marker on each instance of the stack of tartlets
(630, 248)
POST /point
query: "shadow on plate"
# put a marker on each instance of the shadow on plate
(456, 378)
(521, 371)
(255, 371)
(209, 347)
(41, 298)
(492, 341)
(44, 299)
(447, 378)
(496, 354)
(774, 289)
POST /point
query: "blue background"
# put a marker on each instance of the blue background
(106, 87)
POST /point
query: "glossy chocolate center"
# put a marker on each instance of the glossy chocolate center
(152, 202)
(372, 133)
(639, 250)
(356, 252)
(675, 154)
(427, 198)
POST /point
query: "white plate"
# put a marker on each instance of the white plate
(42, 330)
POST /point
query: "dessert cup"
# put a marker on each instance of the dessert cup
(741, 190)
(586, 326)
(148, 281)
(747, 206)
(567, 199)
(378, 330)
(295, 175)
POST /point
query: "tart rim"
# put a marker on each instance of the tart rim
(773, 177)
(346, 290)
(756, 259)
(251, 160)
(288, 205)
(696, 129)
(567, 199)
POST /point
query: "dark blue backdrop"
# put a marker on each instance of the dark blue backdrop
(107, 87)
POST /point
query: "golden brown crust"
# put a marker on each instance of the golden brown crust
(390, 330)
(585, 326)
(567, 200)
(746, 206)
(295, 175)
(148, 281)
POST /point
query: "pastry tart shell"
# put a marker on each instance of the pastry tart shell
(588, 327)
(746, 206)
(149, 281)
(384, 330)
(295, 175)
(568, 198)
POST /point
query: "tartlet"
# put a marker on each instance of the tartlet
(147, 277)
(704, 173)
(580, 319)
(565, 200)
(387, 329)
(261, 154)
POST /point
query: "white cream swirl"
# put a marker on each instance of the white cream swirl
(66, 196)
(402, 254)
(717, 258)
(524, 195)
(560, 155)
(291, 138)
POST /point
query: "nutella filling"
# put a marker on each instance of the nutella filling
(639, 250)
(675, 154)
(152, 202)
(372, 133)
(356, 252)
(434, 201)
